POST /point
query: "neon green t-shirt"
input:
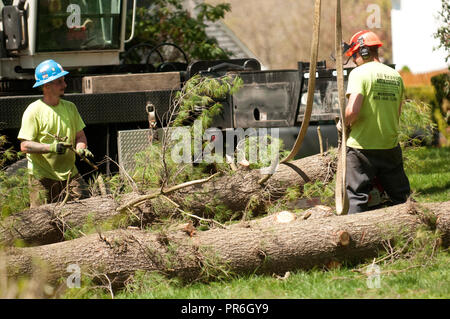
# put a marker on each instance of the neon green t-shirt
(377, 125)
(61, 120)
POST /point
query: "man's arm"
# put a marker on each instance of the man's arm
(32, 147)
(353, 108)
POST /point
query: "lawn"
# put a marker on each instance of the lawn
(428, 170)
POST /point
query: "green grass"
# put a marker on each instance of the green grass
(397, 280)
(428, 170)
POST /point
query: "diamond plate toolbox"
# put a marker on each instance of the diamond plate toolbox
(129, 143)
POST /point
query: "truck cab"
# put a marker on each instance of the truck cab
(76, 33)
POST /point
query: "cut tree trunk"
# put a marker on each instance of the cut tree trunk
(46, 224)
(274, 244)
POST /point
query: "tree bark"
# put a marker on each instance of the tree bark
(235, 191)
(274, 244)
(46, 224)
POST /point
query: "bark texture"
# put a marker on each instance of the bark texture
(235, 191)
(46, 224)
(274, 244)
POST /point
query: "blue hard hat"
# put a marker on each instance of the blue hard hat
(48, 71)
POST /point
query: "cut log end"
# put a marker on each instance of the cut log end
(285, 217)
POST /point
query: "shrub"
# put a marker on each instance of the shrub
(423, 93)
(162, 21)
(416, 124)
(441, 113)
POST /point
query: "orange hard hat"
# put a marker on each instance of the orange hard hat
(362, 38)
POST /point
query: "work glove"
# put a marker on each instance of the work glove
(59, 148)
(84, 152)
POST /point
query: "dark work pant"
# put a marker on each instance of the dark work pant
(46, 191)
(362, 167)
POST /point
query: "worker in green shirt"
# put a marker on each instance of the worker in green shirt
(375, 94)
(51, 133)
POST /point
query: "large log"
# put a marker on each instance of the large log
(236, 190)
(274, 244)
(46, 224)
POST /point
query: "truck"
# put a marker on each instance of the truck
(88, 37)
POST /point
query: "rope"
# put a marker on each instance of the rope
(341, 199)
(311, 84)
